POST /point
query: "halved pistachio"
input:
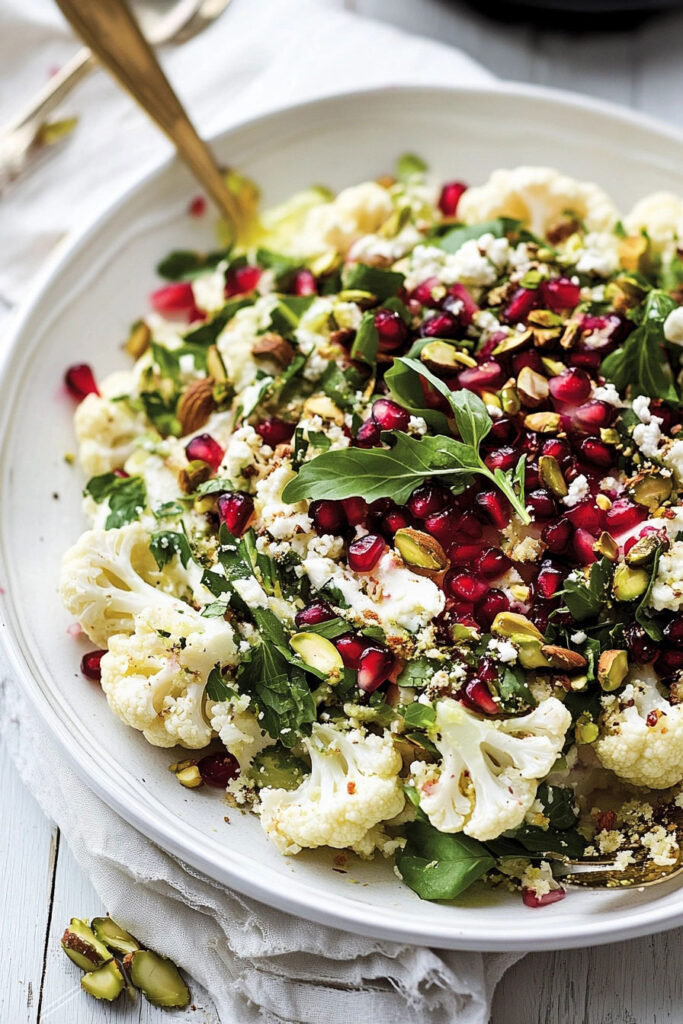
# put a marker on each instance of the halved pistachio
(81, 945)
(190, 777)
(317, 652)
(551, 475)
(509, 398)
(530, 651)
(543, 422)
(513, 624)
(105, 983)
(513, 342)
(138, 340)
(157, 977)
(633, 252)
(643, 551)
(321, 405)
(532, 387)
(606, 546)
(113, 935)
(215, 367)
(361, 298)
(440, 355)
(603, 502)
(553, 366)
(629, 584)
(651, 490)
(586, 730)
(195, 473)
(563, 658)
(612, 669)
(462, 633)
(572, 331)
(544, 318)
(420, 551)
(491, 398)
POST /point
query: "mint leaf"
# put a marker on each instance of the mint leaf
(438, 866)
(127, 497)
(166, 544)
(419, 716)
(641, 364)
(216, 687)
(381, 283)
(457, 236)
(184, 264)
(584, 598)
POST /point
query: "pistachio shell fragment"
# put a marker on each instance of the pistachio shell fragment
(157, 977)
(552, 476)
(82, 946)
(643, 551)
(105, 983)
(420, 551)
(533, 387)
(612, 669)
(113, 935)
(317, 652)
(439, 355)
(606, 547)
(513, 624)
(628, 584)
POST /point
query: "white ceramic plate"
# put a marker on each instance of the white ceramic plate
(95, 287)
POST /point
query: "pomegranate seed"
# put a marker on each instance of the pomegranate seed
(597, 452)
(494, 507)
(80, 381)
(90, 665)
(389, 416)
(502, 458)
(364, 553)
(450, 197)
(445, 525)
(503, 431)
(464, 554)
(466, 308)
(478, 697)
(623, 515)
(241, 281)
(176, 300)
(314, 614)
(352, 647)
(424, 292)
(559, 449)
(235, 509)
(523, 301)
(549, 581)
(586, 359)
(395, 519)
(205, 448)
(492, 563)
(594, 415)
(218, 769)
(121, 473)
(426, 500)
(440, 325)
(355, 510)
(391, 330)
(465, 587)
(197, 207)
(532, 477)
(588, 516)
(571, 386)
(367, 435)
(540, 615)
(542, 503)
(375, 668)
(328, 516)
(305, 283)
(603, 331)
(640, 646)
(486, 377)
(275, 431)
(559, 294)
(470, 526)
(556, 536)
(674, 632)
(583, 546)
(495, 602)
(670, 662)
(530, 899)
(530, 358)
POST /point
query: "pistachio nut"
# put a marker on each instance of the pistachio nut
(82, 946)
(441, 356)
(190, 777)
(532, 387)
(113, 935)
(105, 983)
(543, 422)
(530, 651)
(612, 669)
(215, 367)
(195, 473)
(321, 405)
(643, 551)
(651, 490)
(629, 584)
(157, 977)
(138, 340)
(317, 652)
(513, 342)
(420, 551)
(551, 475)
(586, 730)
(513, 624)
(509, 398)
(606, 547)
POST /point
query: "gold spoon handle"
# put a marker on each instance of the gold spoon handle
(111, 32)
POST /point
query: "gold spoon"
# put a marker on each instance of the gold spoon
(113, 35)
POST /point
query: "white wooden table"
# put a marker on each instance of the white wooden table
(638, 982)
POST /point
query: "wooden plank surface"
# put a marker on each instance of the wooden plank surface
(637, 982)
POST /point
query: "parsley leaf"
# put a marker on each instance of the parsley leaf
(127, 497)
(166, 544)
(216, 687)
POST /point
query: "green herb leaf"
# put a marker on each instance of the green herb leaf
(584, 598)
(404, 385)
(438, 866)
(167, 544)
(417, 672)
(651, 627)
(330, 629)
(558, 805)
(161, 412)
(366, 343)
(184, 264)
(513, 690)
(381, 283)
(641, 364)
(410, 166)
(342, 385)
(419, 716)
(216, 687)
(127, 497)
(457, 236)
(208, 333)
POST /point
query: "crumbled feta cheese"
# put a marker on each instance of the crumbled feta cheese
(579, 637)
(648, 437)
(664, 849)
(208, 290)
(327, 546)
(667, 590)
(673, 459)
(251, 592)
(539, 879)
(608, 393)
(245, 448)
(417, 426)
(609, 840)
(315, 366)
(504, 650)
(673, 326)
(600, 255)
(579, 489)
(641, 407)
(623, 859)
(370, 247)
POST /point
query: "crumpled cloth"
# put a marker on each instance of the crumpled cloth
(257, 964)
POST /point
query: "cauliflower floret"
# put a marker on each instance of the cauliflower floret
(356, 211)
(491, 767)
(540, 197)
(105, 432)
(354, 784)
(110, 576)
(154, 680)
(238, 728)
(661, 216)
(641, 736)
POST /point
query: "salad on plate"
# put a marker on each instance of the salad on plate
(386, 526)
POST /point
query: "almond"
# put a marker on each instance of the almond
(274, 346)
(196, 405)
(563, 658)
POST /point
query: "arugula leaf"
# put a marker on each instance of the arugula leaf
(366, 343)
(438, 866)
(457, 236)
(585, 598)
(184, 264)
(207, 334)
(381, 283)
(286, 316)
(404, 385)
(166, 544)
(641, 364)
(330, 629)
(127, 497)
(341, 385)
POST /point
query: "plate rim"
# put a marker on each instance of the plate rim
(341, 912)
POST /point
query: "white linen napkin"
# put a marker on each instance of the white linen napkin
(258, 964)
